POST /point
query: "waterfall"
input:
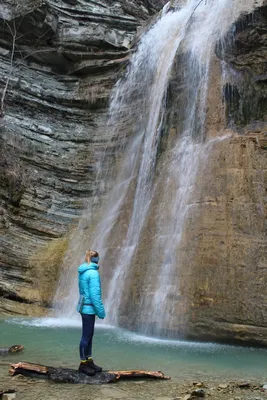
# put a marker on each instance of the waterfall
(153, 62)
(161, 308)
(140, 227)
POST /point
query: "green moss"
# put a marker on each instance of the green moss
(45, 266)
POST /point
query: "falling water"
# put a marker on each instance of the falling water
(146, 178)
(161, 302)
(154, 58)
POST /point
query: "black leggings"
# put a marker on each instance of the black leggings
(88, 321)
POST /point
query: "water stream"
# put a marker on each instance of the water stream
(139, 229)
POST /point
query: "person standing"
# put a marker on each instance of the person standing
(90, 305)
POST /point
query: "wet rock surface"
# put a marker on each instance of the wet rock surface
(245, 92)
(228, 300)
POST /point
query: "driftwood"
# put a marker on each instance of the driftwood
(72, 376)
(9, 350)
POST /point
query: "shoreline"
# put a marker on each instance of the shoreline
(175, 389)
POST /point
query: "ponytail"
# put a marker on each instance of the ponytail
(89, 254)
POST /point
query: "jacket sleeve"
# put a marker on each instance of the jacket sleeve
(95, 294)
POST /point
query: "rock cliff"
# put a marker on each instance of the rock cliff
(228, 297)
(58, 62)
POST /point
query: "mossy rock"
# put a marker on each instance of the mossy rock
(45, 266)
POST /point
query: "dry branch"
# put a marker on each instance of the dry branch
(2, 100)
(139, 374)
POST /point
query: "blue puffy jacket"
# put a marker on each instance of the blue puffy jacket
(90, 289)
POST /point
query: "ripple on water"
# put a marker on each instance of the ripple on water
(124, 335)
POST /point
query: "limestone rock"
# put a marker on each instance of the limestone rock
(228, 301)
(223, 386)
(58, 61)
(9, 10)
(198, 393)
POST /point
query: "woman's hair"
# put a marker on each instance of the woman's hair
(89, 254)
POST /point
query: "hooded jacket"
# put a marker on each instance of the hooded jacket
(90, 289)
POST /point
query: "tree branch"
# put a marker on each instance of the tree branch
(13, 65)
(2, 101)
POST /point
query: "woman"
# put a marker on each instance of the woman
(90, 305)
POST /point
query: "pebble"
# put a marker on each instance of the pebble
(244, 385)
(187, 397)
(8, 396)
(199, 384)
(223, 386)
(198, 393)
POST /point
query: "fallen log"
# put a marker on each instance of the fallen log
(67, 375)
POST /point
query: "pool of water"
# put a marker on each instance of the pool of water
(53, 342)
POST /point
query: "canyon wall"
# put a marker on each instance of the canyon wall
(223, 281)
(228, 272)
(58, 63)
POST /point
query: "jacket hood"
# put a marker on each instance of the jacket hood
(85, 267)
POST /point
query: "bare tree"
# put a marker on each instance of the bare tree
(14, 174)
(14, 37)
(17, 51)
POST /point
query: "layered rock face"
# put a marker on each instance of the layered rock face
(218, 291)
(58, 63)
(228, 288)
(225, 280)
(224, 275)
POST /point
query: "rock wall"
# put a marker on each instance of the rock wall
(229, 297)
(224, 274)
(58, 62)
(226, 290)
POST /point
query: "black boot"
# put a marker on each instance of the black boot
(86, 369)
(92, 365)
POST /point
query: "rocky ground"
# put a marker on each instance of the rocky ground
(175, 389)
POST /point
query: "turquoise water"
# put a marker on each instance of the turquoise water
(53, 342)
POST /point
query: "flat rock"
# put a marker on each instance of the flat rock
(223, 386)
